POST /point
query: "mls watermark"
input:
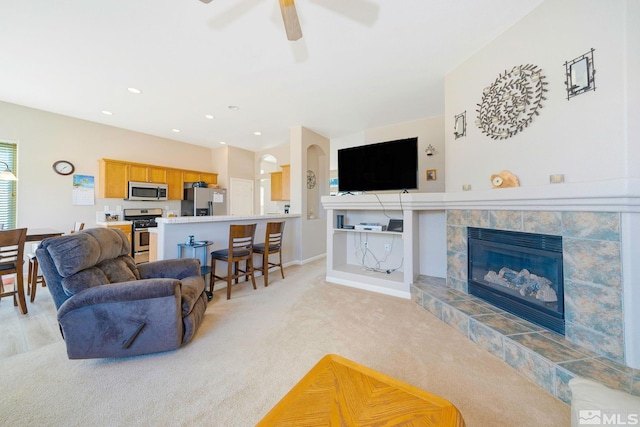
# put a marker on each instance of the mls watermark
(599, 417)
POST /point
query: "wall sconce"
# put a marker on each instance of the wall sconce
(6, 174)
(430, 150)
(580, 75)
(460, 125)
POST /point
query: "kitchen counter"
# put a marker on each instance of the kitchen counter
(112, 223)
(172, 231)
(223, 218)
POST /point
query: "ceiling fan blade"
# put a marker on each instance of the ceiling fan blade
(290, 18)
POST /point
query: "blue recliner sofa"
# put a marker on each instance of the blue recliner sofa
(110, 307)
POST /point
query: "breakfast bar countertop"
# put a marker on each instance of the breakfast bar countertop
(220, 218)
(172, 231)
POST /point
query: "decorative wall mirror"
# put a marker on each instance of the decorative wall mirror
(580, 75)
(460, 125)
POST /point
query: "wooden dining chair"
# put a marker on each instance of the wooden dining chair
(11, 260)
(240, 249)
(272, 245)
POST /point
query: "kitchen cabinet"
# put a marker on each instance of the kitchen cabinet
(286, 182)
(147, 173)
(280, 184)
(175, 183)
(114, 177)
(276, 185)
(112, 182)
(125, 228)
(195, 176)
(209, 178)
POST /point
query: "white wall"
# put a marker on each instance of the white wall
(313, 231)
(45, 198)
(428, 131)
(583, 138)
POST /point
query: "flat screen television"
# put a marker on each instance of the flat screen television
(391, 165)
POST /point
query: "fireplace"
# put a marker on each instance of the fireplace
(518, 272)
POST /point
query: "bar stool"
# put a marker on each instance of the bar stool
(240, 249)
(272, 245)
(33, 278)
(11, 260)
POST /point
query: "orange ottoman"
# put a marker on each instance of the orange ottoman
(337, 391)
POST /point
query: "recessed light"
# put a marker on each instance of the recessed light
(209, 116)
(175, 130)
(234, 107)
(134, 90)
(108, 113)
(257, 133)
(222, 142)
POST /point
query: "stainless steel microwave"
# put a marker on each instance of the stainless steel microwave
(147, 191)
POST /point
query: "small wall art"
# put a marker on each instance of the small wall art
(460, 125)
(511, 101)
(431, 175)
(580, 75)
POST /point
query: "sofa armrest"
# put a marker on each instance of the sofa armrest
(191, 288)
(135, 290)
(123, 319)
(170, 268)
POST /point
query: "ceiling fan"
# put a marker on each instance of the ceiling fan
(290, 18)
(362, 11)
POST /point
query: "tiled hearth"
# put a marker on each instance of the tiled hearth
(592, 267)
(593, 344)
(544, 357)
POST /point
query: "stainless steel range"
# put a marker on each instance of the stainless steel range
(142, 220)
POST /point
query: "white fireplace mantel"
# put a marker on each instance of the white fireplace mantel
(617, 195)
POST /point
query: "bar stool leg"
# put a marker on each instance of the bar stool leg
(33, 277)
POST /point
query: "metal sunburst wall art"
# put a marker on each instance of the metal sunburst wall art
(510, 103)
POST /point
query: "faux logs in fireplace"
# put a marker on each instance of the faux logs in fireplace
(518, 272)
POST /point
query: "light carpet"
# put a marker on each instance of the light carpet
(252, 349)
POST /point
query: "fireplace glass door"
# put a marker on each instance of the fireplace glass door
(520, 273)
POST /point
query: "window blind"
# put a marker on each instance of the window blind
(8, 188)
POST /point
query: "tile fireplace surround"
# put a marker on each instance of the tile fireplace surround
(600, 226)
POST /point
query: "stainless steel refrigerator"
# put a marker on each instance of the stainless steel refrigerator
(202, 201)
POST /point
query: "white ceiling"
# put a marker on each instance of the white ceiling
(360, 64)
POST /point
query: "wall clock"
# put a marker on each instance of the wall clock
(311, 179)
(511, 102)
(63, 167)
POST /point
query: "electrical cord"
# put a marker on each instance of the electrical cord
(383, 208)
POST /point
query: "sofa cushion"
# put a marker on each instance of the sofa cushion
(87, 248)
(84, 279)
(591, 401)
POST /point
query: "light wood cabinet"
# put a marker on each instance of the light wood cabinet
(156, 174)
(126, 229)
(175, 183)
(113, 179)
(276, 185)
(286, 182)
(195, 176)
(209, 178)
(116, 174)
(147, 173)
(280, 184)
